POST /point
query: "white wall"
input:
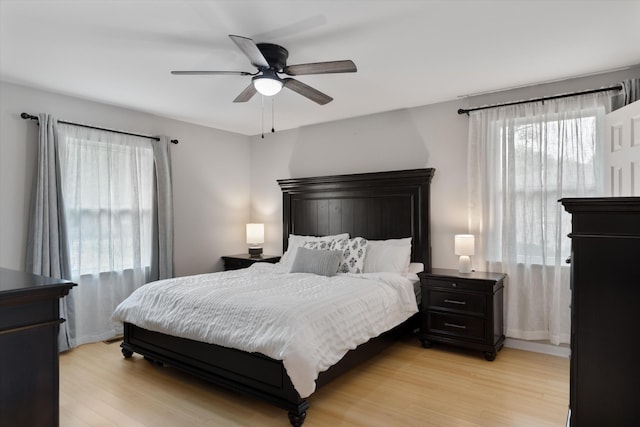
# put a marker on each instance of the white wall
(223, 180)
(211, 183)
(430, 136)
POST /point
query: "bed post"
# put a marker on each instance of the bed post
(297, 420)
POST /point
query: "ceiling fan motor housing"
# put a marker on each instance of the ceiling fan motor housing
(275, 55)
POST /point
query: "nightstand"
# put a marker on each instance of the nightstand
(463, 310)
(235, 262)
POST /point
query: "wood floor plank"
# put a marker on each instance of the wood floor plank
(404, 386)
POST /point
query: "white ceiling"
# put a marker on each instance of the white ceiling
(408, 53)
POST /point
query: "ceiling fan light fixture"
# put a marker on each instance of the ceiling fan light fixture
(270, 60)
(267, 84)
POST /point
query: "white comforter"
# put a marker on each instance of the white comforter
(307, 321)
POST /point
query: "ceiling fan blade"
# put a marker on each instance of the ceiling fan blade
(250, 49)
(206, 73)
(307, 91)
(246, 94)
(346, 66)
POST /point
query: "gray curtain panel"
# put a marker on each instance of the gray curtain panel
(47, 244)
(630, 93)
(162, 249)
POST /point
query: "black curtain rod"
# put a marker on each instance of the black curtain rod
(155, 138)
(543, 98)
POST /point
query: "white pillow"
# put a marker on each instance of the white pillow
(416, 267)
(391, 255)
(295, 241)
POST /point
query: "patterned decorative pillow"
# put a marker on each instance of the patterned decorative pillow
(295, 241)
(318, 245)
(353, 252)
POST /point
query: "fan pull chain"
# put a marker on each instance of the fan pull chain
(273, 113)
(262, 126)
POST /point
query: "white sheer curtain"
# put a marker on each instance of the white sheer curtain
(522, 159)
(107, 186)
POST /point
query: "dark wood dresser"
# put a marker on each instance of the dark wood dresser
(605, 311)
(29, 323)
(463, 309)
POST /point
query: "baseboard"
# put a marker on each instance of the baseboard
(538, 347)
(117, 338)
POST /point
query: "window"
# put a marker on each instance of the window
(522, 159)
(543, 159)
(108, 197)
(107, 191)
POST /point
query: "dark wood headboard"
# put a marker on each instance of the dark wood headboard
(376, 206)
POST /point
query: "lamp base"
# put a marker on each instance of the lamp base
(255, 252)
(464, 265)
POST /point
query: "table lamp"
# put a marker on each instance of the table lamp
(464, 246)
(255, 238)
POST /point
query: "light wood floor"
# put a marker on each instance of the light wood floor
(404, 386)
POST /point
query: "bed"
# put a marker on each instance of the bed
(376, 206)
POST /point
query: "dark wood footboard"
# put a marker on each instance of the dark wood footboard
(252, 374)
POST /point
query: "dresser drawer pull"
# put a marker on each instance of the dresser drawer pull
(32, 326)
(453, 325)
(455, 301)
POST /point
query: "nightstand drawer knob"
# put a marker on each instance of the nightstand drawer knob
(453, 301)
(454, 285)
(454, 325)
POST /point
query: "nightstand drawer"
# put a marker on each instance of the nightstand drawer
(467, 302)
(458, 284)
(459, 326)
(236, 262)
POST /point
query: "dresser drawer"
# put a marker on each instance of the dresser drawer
(458, 326)
(467, 302)
(28, 314)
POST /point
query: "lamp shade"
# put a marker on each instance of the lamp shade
(267, 85)
(464, 244)
(255, 234)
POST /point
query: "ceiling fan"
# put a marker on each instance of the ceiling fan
(271, 60)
